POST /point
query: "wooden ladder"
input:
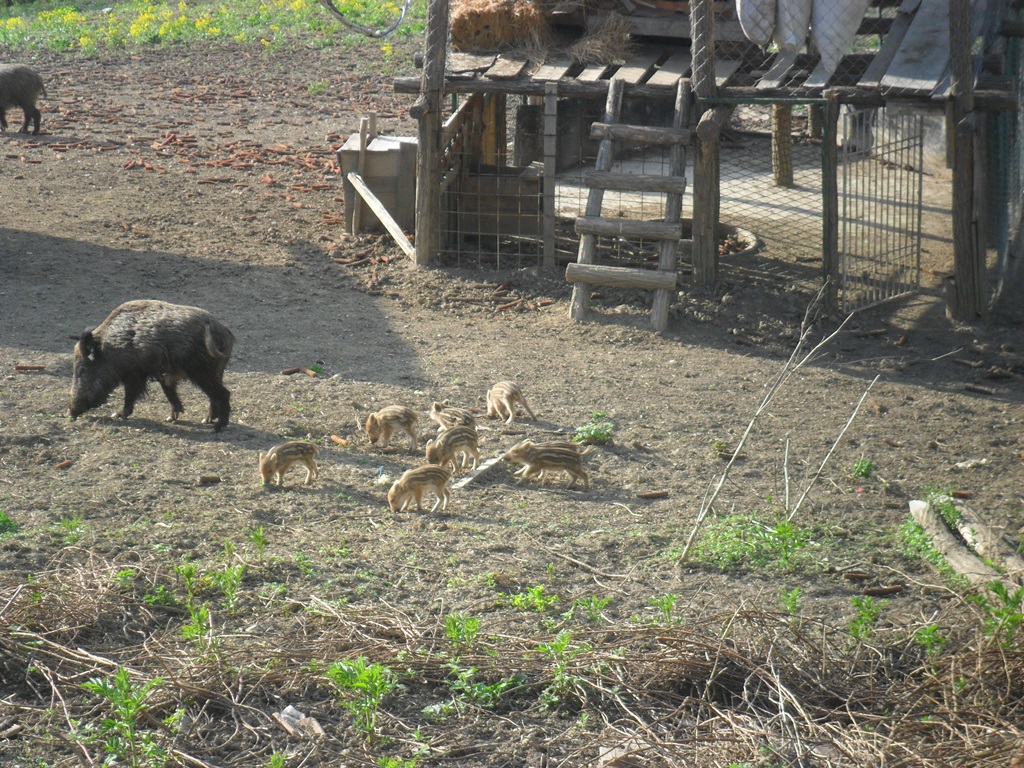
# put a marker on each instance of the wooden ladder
(584, 272)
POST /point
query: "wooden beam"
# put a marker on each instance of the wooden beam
(662, 137)
(651, 230)
(619, 277)
(382, 213)
(635, 182)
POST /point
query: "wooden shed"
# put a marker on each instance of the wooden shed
(499, 153)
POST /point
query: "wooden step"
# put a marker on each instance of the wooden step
(620, 277)
(650, 230)
(644, 134)
(635, 182)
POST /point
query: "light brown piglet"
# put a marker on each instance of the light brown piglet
(385, 422)
(414, 483)
(448, 416)
(539, 458)
(279, 459)
(457, 441)
(502, 400)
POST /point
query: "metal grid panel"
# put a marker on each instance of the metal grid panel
(879, 207)
(771, 181)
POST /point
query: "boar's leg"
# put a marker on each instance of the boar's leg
(169, 384)
(134, 388)
(220, 401)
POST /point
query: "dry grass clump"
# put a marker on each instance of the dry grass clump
(606, 44)
(496, 25)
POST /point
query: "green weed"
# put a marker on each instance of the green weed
(461, 630)
(533, 599)
(465, 688)
(71, 529)
(869, 611)
(7, 524)
(565, 689)
(862, 468)
(790, 601)
(931, 639)
(119, 734)
(259, 540)
(591, 607)
(229, 579)
(918, 546)
(597, 431)
(664, 604)
(363, 687)
(1003, 614)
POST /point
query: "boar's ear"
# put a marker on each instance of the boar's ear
(88, 346)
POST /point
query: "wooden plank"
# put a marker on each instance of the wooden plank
(507, 67)
(675, 67)
(724, 69)
(880, 63)
(592, 73)
(651, 230)
(635, 182)
(553, 70)
(621, 277)
(662, 137)
(921, 62)
(470, 63)
(638, 67)
(382, 213)
(776, 75)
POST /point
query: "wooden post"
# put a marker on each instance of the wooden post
(782, 144)
(668, 253)
(427, 111)
(830, 200)
(966, 302)
(550, 188)
(706, 163)
(357, 204)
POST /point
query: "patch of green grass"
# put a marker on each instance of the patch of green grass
(918, 546)
(597, 431)
(941, 500)
(7, 524)
(70, 529)
(737, 541)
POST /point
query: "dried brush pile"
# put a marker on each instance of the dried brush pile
(606, 44)
(695, 690)
(497, 25)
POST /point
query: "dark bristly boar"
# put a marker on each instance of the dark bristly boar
(21, 87)
(153, 340)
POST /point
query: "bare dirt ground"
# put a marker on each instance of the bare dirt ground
(206, 176)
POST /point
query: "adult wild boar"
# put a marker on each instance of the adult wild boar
(143, 340)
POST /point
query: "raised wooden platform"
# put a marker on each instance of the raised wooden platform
(911, 63)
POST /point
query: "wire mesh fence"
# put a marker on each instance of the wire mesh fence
(495, 181)
(880, 181)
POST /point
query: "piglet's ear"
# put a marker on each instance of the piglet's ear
(88, 346)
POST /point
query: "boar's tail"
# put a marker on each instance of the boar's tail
(219, 342)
